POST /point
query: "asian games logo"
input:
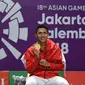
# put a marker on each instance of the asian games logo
(13, 32)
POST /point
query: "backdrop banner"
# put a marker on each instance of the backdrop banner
(19, 19)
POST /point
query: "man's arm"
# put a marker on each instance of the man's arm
(31, 62)
(56, 64)
(52, 66)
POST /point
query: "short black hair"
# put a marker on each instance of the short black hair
(41, 26)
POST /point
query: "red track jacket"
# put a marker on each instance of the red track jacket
(52, 54)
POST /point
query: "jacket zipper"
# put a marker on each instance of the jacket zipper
(45, 74)
(45, 68)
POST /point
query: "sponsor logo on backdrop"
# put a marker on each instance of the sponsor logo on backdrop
(4, 78)
(11, 15)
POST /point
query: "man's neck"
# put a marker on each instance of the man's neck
(43, 45)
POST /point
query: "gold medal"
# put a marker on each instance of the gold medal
(37, 46)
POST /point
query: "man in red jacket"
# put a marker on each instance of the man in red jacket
(44, 61)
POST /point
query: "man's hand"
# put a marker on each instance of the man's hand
(37, 49)
(36, 53)
(43, 62)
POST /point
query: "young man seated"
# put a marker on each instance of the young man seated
(44, 60)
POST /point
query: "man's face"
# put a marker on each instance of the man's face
(42, 35)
